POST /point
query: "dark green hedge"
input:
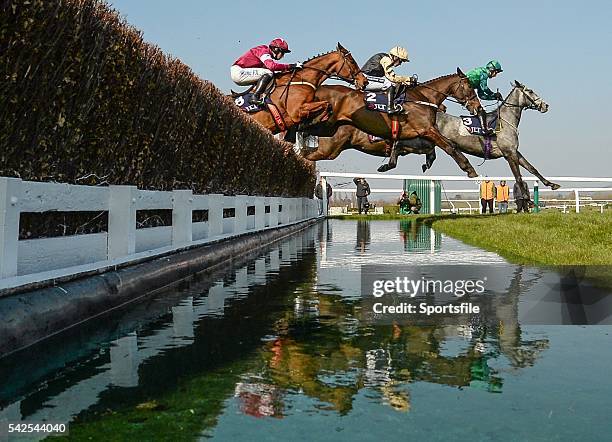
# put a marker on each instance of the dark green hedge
(84, 99)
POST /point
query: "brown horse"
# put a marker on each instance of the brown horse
(294, 92)
(418, 120)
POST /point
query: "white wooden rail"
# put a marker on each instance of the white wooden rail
(34, 260)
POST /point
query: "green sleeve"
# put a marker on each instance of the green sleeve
(484, 93)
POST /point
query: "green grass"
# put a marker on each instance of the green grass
(549, 238)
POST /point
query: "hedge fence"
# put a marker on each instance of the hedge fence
(83, 99)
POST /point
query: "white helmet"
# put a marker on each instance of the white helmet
(399, 52)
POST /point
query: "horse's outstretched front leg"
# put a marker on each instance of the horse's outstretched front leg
(527, 165)
(513, 161)
(436, 137)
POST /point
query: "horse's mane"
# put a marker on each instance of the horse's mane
(438, 78)
(320, 55)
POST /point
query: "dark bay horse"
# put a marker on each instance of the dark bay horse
(505, 145)
(294, 94)
(418, 120)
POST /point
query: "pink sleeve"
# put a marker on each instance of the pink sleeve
(266, 58)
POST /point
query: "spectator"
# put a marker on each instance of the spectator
(521, 197)
(319, 195)
(487, 194)
(363, 190)
(404, 203)
(415, 203)
(502, 195)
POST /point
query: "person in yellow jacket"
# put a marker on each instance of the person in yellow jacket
(502, 195)
(487, 194)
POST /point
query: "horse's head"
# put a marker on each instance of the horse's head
(528, 99)
(347, 68)
(463, 92)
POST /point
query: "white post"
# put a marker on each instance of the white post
(215, 214)
(240, 220)
(260, 213)
(577, 196)
(182, 225)
(10, 192)
(324, 195)
(122, 221)
(432, 197)
(274, 216)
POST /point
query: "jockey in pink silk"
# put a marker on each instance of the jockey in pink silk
(259, 64)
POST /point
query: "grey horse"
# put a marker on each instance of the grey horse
(505, 144)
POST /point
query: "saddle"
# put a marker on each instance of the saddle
(377, 101)
(474, 126)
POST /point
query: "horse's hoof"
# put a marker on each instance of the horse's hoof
(383, 168)
(472, 174)
(555, 186)
(424, 167)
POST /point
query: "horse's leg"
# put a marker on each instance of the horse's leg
(309, 110)
(429, 160)
(513, 161)
(527, 165)
(447, 146)
(392, 164)
(330, 147)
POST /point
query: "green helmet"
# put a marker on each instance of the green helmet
(494, 65)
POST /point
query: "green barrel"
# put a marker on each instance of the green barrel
(421, 187)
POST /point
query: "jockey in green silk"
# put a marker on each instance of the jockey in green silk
(479, 78)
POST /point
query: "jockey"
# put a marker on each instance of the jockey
(381, 76)
(478, 78)
(258, 65)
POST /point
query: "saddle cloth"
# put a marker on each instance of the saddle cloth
(473, 125)
(377, 101)
(244, 103)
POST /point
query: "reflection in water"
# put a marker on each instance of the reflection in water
(418, 236)
(284, 336)
(363, 235)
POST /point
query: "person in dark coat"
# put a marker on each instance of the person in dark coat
(521, 197)
(363, 190)
(319, 195)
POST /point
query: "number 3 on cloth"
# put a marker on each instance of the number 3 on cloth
(467, 121)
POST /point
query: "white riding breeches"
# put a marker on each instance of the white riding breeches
(246, 76)
(377, 83)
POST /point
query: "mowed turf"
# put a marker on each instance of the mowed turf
(551, 238)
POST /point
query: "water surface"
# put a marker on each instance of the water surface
(276, 348)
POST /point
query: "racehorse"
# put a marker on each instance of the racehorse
(418, 119)
(294, 91)
(505, 145)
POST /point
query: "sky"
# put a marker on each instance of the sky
(561, 49)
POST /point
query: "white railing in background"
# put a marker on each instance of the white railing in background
(442, 178)
(33, 260)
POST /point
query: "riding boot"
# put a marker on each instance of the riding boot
(260, 88)
(392, 108)
(483, 121)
